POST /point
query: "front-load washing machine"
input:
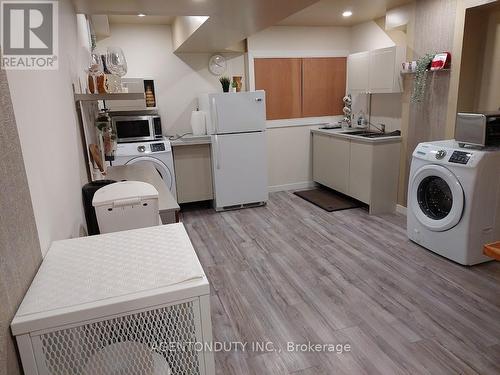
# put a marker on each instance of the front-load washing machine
(454, 200)
(159, 153)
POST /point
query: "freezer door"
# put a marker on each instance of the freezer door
(240, 169)
(237, 112)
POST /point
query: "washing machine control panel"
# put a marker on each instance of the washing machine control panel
(460, 157)
(155, 147)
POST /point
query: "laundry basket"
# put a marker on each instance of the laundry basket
(133, 302)
(126, 205)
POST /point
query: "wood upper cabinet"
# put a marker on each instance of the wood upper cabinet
(281, 79)
(323, 86)
(301, 87)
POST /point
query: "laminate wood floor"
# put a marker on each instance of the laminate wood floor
(291, 272)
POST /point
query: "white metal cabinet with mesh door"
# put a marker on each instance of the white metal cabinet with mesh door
(132, 302)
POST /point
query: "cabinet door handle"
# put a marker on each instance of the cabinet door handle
(215, 116)
(217, 151)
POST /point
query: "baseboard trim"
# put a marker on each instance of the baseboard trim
(293, 186)
(401, 209)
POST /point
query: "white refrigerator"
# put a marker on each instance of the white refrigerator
(237, 125)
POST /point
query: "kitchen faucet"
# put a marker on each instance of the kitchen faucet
(380, 127)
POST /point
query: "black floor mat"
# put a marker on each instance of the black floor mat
(328, 200)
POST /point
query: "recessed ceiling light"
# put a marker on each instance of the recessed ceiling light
(347, 13)
(141, 15)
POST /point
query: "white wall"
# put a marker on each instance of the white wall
(184, 26)
(46, 120)
(289, 145)
(290, 157)
(489, 92)
(368, 36)
(179, 79)
(291, 38)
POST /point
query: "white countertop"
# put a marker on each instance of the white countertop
(88, 273)
(344, 133)
(190, 139)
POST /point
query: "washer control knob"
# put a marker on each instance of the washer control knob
(440, 154)
(141, 148)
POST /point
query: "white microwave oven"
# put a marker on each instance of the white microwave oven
(137, 128)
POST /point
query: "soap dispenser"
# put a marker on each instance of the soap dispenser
(361, 120)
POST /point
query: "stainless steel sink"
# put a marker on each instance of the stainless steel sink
(362, 133)
(368, 134)
(375, 135)
(395, 133)
(330, 127)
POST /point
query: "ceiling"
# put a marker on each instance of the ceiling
(229, 22)
(150, 7)
(329, 12)
(148, 20)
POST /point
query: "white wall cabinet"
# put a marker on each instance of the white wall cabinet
(357, 72)
(377, 71)
(366, 171)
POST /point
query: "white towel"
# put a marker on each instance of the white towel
(198, 123)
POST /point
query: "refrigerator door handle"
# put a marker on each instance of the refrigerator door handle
(215, 116)
(217, 151)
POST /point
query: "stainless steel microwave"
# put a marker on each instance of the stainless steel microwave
(478, 129)
(137, 128)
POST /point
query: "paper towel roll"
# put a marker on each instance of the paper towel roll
(198, 123)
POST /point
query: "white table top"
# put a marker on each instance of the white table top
(189, 140)
(91, 272)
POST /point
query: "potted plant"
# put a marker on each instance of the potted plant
(225, 82)
(420, 79)
(234, 86)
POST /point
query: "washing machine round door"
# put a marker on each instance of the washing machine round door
(436, 198)
(165, 173)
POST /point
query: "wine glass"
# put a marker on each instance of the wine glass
(115, 61)
(95, 69)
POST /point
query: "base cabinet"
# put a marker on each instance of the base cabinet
(193, 172)
(368, 172)
(331, 167)
(360, 171)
